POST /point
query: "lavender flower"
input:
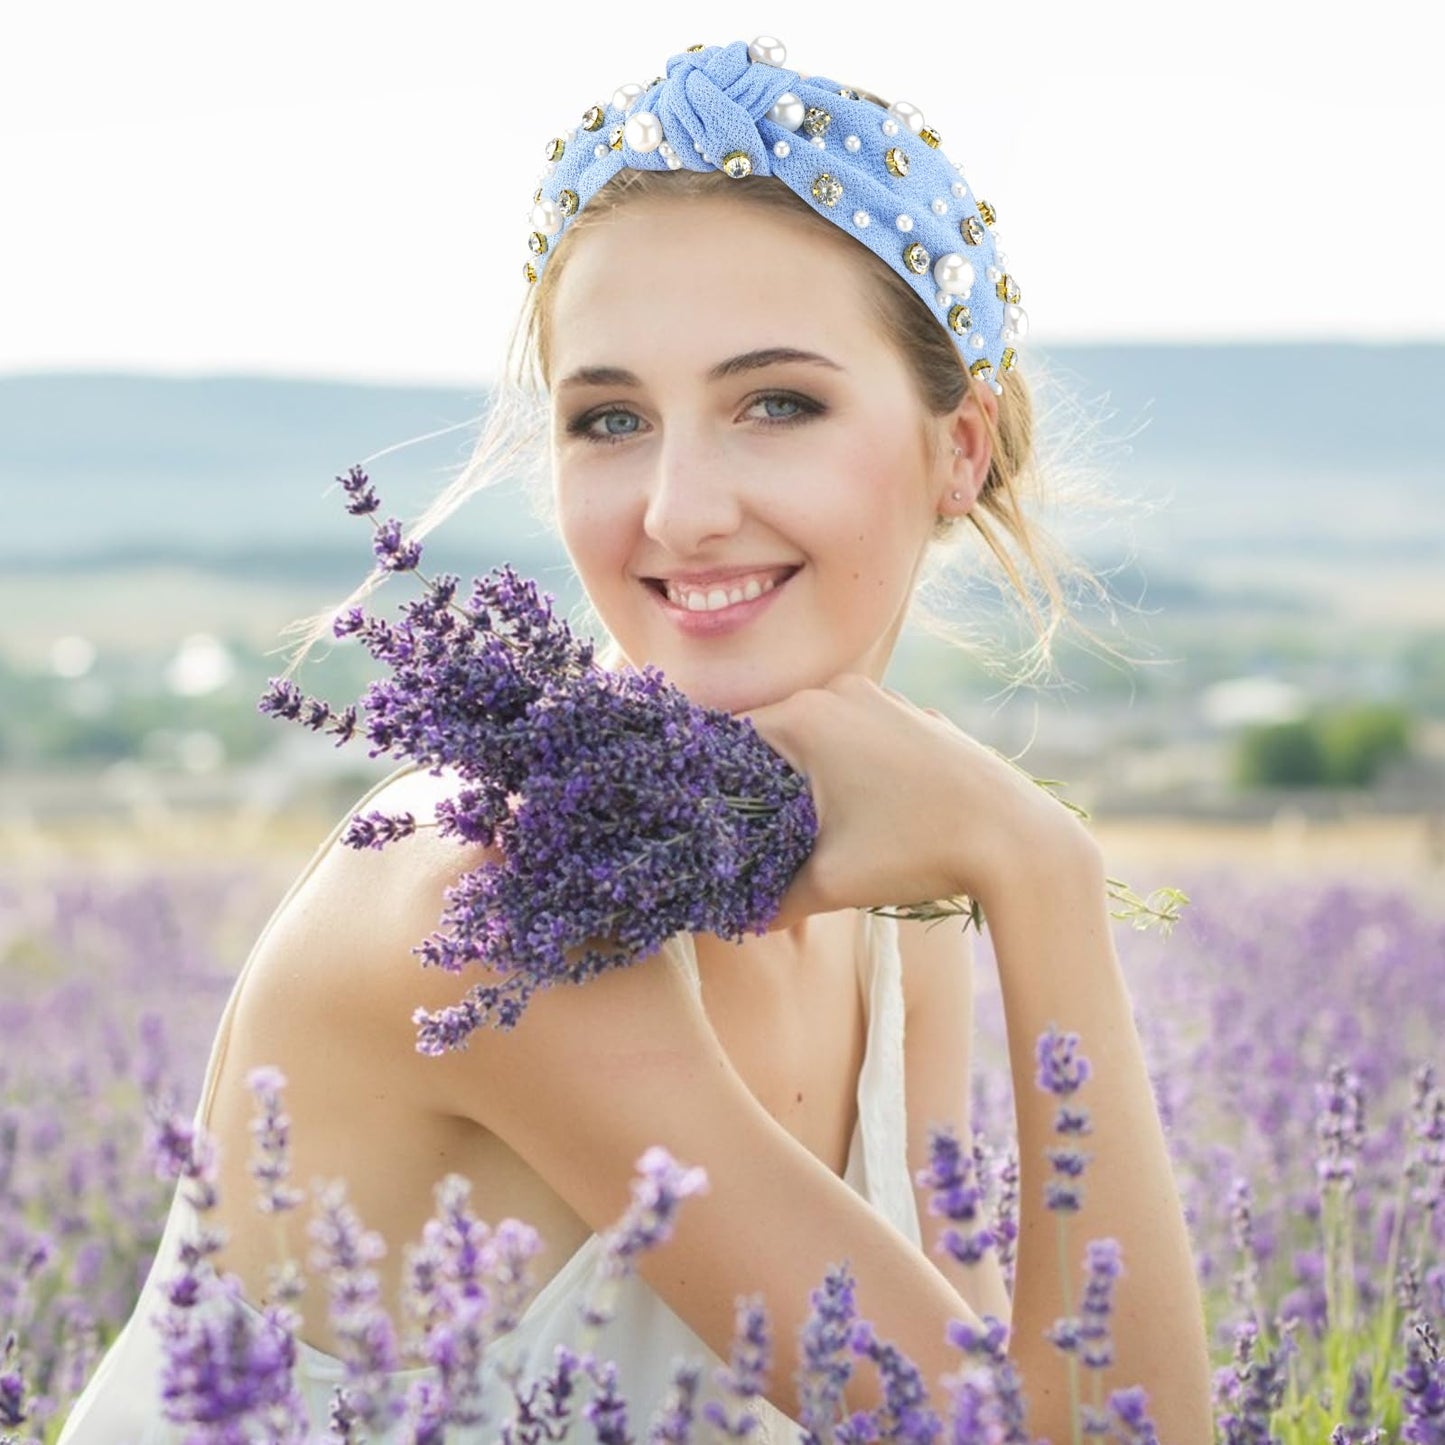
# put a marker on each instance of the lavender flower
(1422, 1387)
(905, 1416)
(1062, 1070)
(956, 1197)
(1004, 1401)
(1132, 1425)
(606, 1410)
(1250, 1389)
(270, 1128)
(824, 1367)
(15, 1400)
(673, 1421)
(1339, 1127)
(745, 1377)
(531, 1424)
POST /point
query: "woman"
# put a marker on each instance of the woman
(766, 403)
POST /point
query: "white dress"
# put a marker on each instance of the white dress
(645, 1338)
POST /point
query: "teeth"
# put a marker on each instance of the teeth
(716, 598)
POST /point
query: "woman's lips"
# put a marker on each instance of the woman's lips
(702, 623)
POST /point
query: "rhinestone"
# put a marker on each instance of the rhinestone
(1007, 290)
(959, 189)
(904, 223)
(851, 142)
(916, 257)
(846, 93)
(593, 117)
(980, 368)
(530, 272)
(599, 150)
(816, 120)
(1008, 359)
(988, 213)
(960, 319)
(827, 189)
(896, 161)
(890, 127)
(940, 207)
(930, 138)
(971, 230)
(538, 242)
(861, 219)
(737, 164)
(568, 201)
(782, 149)
(614, 138)
(693, 49)
(555, 147)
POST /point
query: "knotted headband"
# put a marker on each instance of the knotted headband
(875, 170)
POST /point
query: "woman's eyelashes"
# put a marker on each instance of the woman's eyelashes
(586, 425)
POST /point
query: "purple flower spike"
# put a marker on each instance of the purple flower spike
(825, 1365)
(270, 1129)
(662, 1186)
(1132, 1425)
(1061, 1068)
(905, 1415)
(672, 1424)
(1339, 1127)
(361, 499)
(606, 1410)
(391, 552)
(956, 1197)
(743, 1380)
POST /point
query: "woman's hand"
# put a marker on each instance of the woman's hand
(910, 808)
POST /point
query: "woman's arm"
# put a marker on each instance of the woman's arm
(1047, 914)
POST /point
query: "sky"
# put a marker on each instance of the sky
(314, 188)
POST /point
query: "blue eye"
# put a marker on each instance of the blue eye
(585, 426)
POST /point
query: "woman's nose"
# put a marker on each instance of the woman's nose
(691, 500)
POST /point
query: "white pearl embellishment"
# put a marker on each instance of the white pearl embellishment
(787, 111)
(782, 149)
(625, 95)
(767, 50)
(851, 142)
(908, 113)
(599, 150)
(643, 131)
(905, 223)
(890, 127)
(940, 207)
(959, 189)
(954, 273)
(547, 217)
(820, 143)
(861, 219)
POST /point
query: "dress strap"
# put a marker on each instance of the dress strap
(223, 1031)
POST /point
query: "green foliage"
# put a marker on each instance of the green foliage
(1330, 748)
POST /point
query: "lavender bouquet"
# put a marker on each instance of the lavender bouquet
(624, 812)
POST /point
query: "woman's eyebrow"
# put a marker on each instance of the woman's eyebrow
(733, 366)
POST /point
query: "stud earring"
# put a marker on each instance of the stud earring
(957, 496)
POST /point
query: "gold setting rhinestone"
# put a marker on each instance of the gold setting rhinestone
(693, 49)
(614, 137)
(1007, 289)
(537, 196)
(960, 319)
(555, 147)
(737, 164)
(971, 229)
(916, 258)
(930, 138)
(981, 368)
(827, 189)
(847, 93)
(593, 117)
(1008, 359)
(567, 199)
(530, 272)
(896, 160)
(538, 242)
(988, 213)
(816, 120)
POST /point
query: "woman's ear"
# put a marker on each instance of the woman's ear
(967, 451)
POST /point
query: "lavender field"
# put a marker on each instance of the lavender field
(1294, 1035)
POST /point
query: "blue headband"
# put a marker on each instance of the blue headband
(874, 170)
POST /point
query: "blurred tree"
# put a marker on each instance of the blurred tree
(1280, 755)
(1357, 740)
(1341, 748)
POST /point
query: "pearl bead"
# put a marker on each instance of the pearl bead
(977, 342)
(940, 207)
(665, 149)
(782, 149)
(890, 127)
(625, 95)
(905, 223)
(547, 218)
(697, 146)
(954, 273)
(551, 168)
(1019, 320)
(908, 113)
(673, 163)
(767, 50)
(851, 142)
(1001, 259)
(995, 386)
(959, 189)
(787, 111)
(820, 143)
(599, 150)
(1008, 336)
(993, 273)
(643, 132)
(861, 219)
(944, 299)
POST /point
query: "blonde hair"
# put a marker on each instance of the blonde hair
(1035, 568)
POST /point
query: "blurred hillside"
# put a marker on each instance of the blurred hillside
(1279, 549)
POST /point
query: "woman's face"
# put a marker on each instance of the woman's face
(725, 419)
